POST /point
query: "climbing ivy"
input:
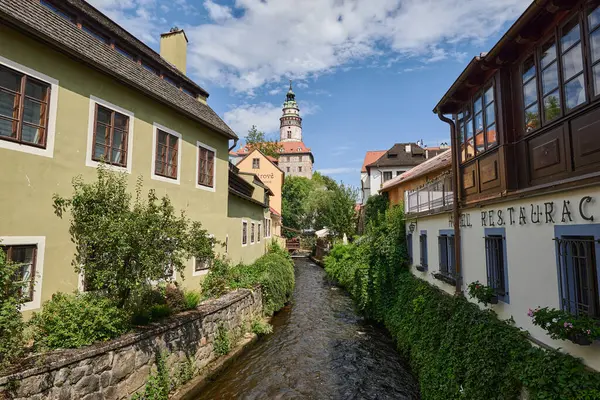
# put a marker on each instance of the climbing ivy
(457, 350)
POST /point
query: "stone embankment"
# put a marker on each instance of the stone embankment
(118, 368)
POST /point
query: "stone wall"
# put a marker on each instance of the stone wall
(118, 368)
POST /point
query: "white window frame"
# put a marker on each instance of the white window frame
(88, 156)
(53, 108)
(247, 233)
(204, 271)
(155, 128)
(40, 242)
(252, 237)
(198, 186)
(258, 224)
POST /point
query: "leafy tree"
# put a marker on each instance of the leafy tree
(376, 205)
(296, 190)
(11, 321)
(120, 246)
(256, 140)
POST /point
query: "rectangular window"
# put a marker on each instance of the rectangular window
(387, 175)
(578, 278)
(398, 173)
(206, 167)
(446, 251)
(25, 257)
(593, 19)
(170, 80)
(96, 34)
(287, 169)
(495, 256)
(409, 247)
(57, 10)
(299, 169)
(252, 233)
(572, 65)
(202, 264)
(150, 68)
(477, 132)
(255, 163)
(244, 233)
(24, 104)
(125, 53)
(167, 148)
(258, 233)
(111, 130)
(423, 248)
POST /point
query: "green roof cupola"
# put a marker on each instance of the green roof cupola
(291, 122)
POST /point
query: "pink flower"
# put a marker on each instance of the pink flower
(589, 332)
(568, 325)
(530, 313)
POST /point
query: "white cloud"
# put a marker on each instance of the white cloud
(269, 42)
(338, 170)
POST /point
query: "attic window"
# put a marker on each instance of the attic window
(150, 68)
(170, 80)
(125, 53)
(95, 34)
(299, 148)
(392, 155)
(57, 10)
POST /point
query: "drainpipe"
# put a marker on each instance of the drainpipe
(234, 144)
(455, 197)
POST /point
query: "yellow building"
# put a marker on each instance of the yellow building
(76, 88)
(272, 176)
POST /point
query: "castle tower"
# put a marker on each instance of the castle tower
(290, 128)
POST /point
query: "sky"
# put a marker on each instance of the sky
(366, 73)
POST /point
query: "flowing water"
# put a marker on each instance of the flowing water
(319, 349)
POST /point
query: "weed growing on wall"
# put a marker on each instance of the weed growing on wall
(158, 385)
(222, 344)
(260, 327)
(457, 350)
(11, 321)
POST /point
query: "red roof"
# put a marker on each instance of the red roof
(288, 148)
(442, 160)
(274, 212)
(371, 157)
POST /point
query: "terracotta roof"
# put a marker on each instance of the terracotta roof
(397, 156)
(441, 161)
(45, 26)
(371, 157)
(274, 212)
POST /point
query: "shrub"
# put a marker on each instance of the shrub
(70, 321)
(261, 327)
(121, 245)
(159, 384)
(562, 325)
(222, 344)
(456, 349)
(174, 298)
(482, 293)
(11, 321)
(192, 299)
(218, 281)
(148, 304)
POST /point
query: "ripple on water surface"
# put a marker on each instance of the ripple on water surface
(319, 349)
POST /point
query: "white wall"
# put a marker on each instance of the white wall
(376, 177)
(531, 256)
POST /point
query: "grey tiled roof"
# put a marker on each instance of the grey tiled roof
(402, 158)
(44, 25)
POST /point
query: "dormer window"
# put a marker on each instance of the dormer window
(392, 155)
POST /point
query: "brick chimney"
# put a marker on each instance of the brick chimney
(173, 48)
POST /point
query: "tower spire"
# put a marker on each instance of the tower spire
(291, 122)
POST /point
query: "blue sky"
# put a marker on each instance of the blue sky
(367, 73)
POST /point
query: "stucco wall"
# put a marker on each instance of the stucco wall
(243, 210)
(376, 177)
(268, 173)
(31, 180)
(120, 367)
(531, 255)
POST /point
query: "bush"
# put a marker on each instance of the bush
(261, 327)
(174, 298)
(192, 299)
(70, 321)
(274, 272)
(456, 349)
(222, 344)
(159, 384)
(11, 321)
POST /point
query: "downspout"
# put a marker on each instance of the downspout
(455, 197)
(234, 144)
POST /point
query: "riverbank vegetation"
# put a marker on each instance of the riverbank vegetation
(457, 350)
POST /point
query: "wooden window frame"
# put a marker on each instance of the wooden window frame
(8, 250)
(110, 135)
(19, 109)
(204, 180)
(589, 68)
(497, 262)
(158, 158)
(256, 163)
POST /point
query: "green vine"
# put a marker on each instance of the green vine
(222, 344)
(482, 293)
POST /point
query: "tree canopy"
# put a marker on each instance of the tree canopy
(256, 139)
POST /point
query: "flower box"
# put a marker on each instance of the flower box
(494, 299)
(562, 325)
(445, 278)
(420, 268)
(581, 340)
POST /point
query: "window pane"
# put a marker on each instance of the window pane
(530, 92)
(479, 143)
(477, 105)
(470, 148)
(118, 145)
(596, 72)
(99, 151)
(10, 80)
(571, 34)
(575, 92)
(102, 134)
(7, 128)
(528, 69)
(479, 122)
(7, 104)
(469, 129)
(489, 95)
(31, 134)
(103, 115)
(572, 62)
(595, 45)
(532, 118)
(162, 138)
(552, 106)
(491, 136)
(32, 112)
(121, 121)
(490, 115)
(548, 53)
(35, 89)
(594, 17)
(550, 78)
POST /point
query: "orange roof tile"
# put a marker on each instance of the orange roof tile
(371, 157)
